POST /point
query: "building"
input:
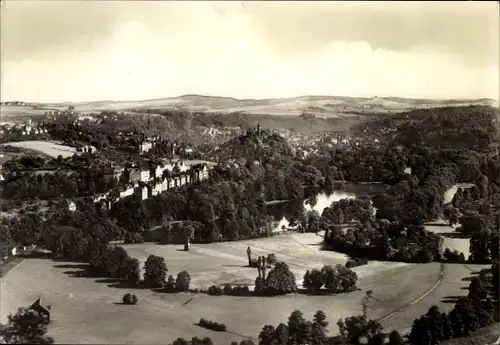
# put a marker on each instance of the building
(7, 250)
(42, 309)
(86, 149)
(157, 188)
(71, 206)
(145, 175)
(125, 191)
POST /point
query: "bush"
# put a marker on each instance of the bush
(214, 326)
(215, 290)
(170, 284)
(271, 259)
(228, 290)
(130, 299)
(356, 262)
(453, 256)
(182, 282)
(253, 263)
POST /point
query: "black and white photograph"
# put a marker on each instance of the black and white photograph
(249, 172)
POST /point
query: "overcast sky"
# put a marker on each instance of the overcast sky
(112, 50)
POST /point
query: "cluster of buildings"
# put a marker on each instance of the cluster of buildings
(27, 129)
(150, 181)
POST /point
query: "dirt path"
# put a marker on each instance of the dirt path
(405, 306)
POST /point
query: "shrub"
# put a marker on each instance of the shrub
(215, 290)
(170, 284)
(182, 282)
(356, 262)
(228, 290)
(241, 290)
(214, 326)
(271, 259)
(130, 299)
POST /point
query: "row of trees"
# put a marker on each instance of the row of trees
(331, 279)
(470, 313)
(50, 185)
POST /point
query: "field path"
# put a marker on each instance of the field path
(421, 297)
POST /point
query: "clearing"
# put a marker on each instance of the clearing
(47, 148)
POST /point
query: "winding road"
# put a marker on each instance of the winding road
(421, 297)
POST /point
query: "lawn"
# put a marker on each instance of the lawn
(86, 309)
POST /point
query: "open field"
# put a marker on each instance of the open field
(14, 112)
(47, 148)
(454, 283)
(321, 106)
(450, 237)
(85, 309)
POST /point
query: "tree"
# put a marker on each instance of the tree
(452, 214)
(116, 262)
(280, 280)
(27, 326)
(299, 330)
(267, 335)
(355, 328)
(155, 271)
(133, 271)
(395, 338)
(170, 285)
(477, 289)
(318, 328)
(313, 281)
(182, 281)
(282, 334)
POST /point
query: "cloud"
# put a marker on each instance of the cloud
(128, 51)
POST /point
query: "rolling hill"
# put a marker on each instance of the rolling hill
(321, 106)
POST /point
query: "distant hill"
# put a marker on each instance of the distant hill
(324, 106)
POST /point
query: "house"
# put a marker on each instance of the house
(183, 167)
(86, 149)
(157, 172)
(157, 188)
(114, 170)
(7, 250)
(132, 175)
(71, 206)
(145, 146)
(144, 175)
(125, 191)
(67, 204)
(41, 308)
(165, 184)
(144, 192)
(201, 172)
(103, 204)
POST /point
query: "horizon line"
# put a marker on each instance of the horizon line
(252, 99)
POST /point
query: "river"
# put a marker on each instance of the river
(286, 210)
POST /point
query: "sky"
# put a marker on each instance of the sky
(54, 51)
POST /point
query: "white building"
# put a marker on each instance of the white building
(127, 192)
(157, 189)
(87, 149)
(71, 206)
(145, 175)
(145, 146)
